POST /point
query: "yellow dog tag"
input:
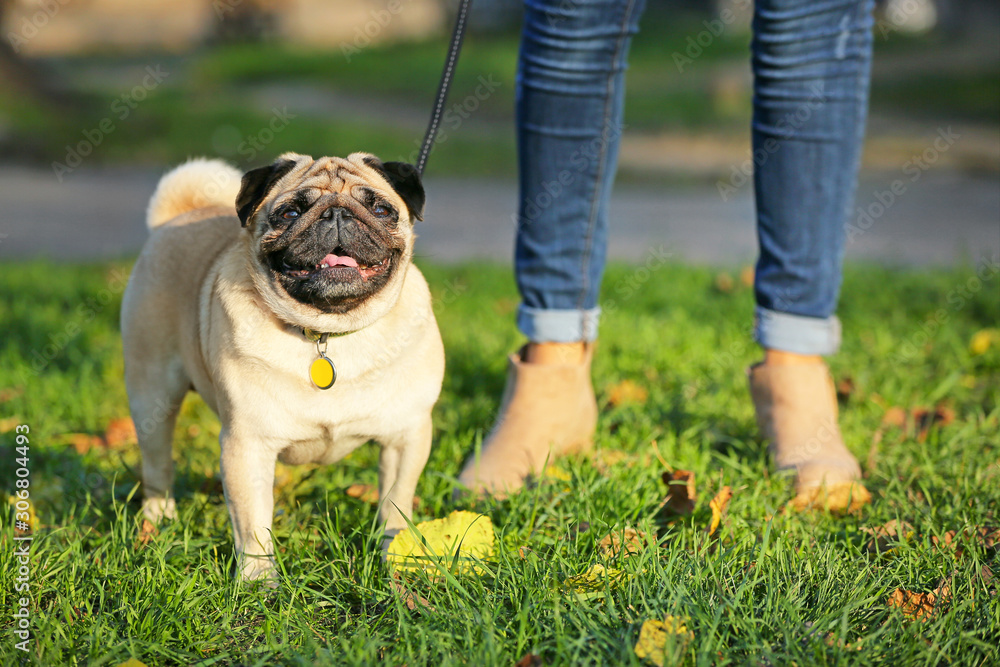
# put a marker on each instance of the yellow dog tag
(323, 373)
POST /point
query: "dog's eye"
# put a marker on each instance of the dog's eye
(381, 210)
(290, 214)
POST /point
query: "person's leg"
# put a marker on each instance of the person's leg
(570, 92)
(811, 63)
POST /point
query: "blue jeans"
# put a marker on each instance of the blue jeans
(811, 61)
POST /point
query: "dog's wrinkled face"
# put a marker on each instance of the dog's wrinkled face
(331, 233)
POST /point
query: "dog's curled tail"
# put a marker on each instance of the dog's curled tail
(198, 183)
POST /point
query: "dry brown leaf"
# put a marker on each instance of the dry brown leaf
(681, 493)
(627, 541)
(915, 606)
(747, 276)
(529, 660)
(988, 537)
(719, 504)
(947, 541)
(828, 638)
(846, 497)
(120, 433)
(626, 391)
(505, 305)
(83, 442)
(884, 538)
(366, 493)
(10, 393)
(845, 388)
(918, 421)
(724, 283)
(523, 551)
(408, 597)
(924, 419)
(147, 532)
(894, 416)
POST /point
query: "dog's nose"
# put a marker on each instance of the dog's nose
(335, 225)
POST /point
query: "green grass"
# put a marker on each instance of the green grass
(777, 589)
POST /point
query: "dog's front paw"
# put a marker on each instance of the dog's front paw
(387, 537)
(259, 569)
(158, 508)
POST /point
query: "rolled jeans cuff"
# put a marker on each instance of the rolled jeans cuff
(796, 333)
(543, 325)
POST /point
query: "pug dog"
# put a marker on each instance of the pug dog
(287, 298)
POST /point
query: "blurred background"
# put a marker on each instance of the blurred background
(99, 97)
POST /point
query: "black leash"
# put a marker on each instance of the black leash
(457, 35)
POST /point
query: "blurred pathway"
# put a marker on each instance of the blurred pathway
(947, 217)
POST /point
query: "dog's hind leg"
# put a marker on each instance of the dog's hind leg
(155, 399)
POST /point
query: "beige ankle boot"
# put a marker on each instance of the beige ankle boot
(546, 410)
(797, 413)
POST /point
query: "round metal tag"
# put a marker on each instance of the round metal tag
(323, 373)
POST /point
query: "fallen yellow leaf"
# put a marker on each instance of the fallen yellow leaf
(33, 522)
(718, 505)
(656, 637)
(460, 538)
(131, 662)
(984, 340)
(10, 423)
(555, 472)
(627, 391)
(593, 582)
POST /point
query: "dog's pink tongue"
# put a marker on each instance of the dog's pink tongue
(341, 260)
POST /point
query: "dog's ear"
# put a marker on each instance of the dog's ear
(255, 186)
(405, 180)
